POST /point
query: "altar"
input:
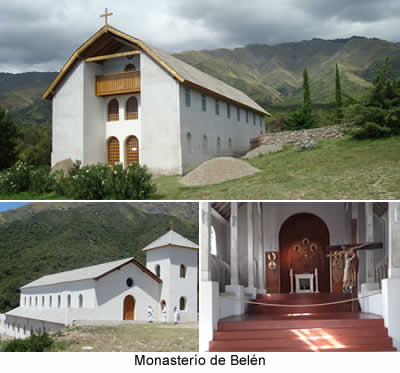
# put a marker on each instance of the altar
(304, 283)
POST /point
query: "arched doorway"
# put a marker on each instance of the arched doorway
(303, 240)
(129, 308)
(113, 151)
(132, 150)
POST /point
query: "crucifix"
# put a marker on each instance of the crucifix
(105, 15)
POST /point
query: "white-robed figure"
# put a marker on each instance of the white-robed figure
(164, 313)
(149, 314)
(177, 316)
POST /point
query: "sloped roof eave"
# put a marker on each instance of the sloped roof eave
(156, 56)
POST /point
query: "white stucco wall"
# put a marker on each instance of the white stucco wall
(112, 289)
(160, 135)
(68, 118)
(19, 327)
(174, 287)
(94, 129)
(75, 288)
(197, 123)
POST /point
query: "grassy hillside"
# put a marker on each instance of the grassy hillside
(335, 169)
(60, 239)
(21, 95)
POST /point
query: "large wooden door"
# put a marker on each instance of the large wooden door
(113, 151)
(132, 150)
(129, 308)
(303, 240)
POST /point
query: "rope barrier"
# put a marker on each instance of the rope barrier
(301, 305)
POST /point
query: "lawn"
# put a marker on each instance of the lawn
(140, 337)
(335, 169)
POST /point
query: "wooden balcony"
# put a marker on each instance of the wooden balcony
(118, 83)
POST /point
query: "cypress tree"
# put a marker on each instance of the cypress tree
(8, 139)
(306, 88)
(339, 105)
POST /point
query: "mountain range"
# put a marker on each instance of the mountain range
(44, 238)
(271, 74)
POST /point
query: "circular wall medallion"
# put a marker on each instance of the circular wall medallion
(272, 265)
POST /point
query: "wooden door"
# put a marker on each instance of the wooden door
(303, 241)
(129, 308)
(132, 150)
(272, 272)
(113, 151)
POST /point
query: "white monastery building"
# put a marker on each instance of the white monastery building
(119, 290)
(272, 276)
(118, 99)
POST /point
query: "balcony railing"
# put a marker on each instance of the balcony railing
(118, 83)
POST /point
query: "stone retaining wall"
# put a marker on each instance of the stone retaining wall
(292, 137)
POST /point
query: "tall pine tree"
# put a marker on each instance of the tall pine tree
(339, 105)
(302, 118)
(8, 139)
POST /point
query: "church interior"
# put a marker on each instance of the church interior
(300, 276)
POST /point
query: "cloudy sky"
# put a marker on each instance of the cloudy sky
(39, 35)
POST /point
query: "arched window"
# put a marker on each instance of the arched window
(50, 301)
(204, 144)
(219, 145)
(130, 67)
(182, 304)
(182, 271)
(30, 301)
(113, 110)
(36, 301)
(42, 301)
(24, 301)
(213, 241)
(230, 147)
(157, 270)
(80, 300)
(24, 329)
(131, 150)
(113, 151)
(189, 142)
(59, 301)
(69, 300)
(131, 110)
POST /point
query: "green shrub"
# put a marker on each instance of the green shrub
(41, 181)
(16, 178)
(34, 343)
(22, 177)
(378, 113)
(86, 182)
(101, 181)
(132, 183)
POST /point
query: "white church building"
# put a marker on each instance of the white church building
(118, 290)
(118, 99)
(267, 282)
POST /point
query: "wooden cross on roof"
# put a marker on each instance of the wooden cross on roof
(105, 15)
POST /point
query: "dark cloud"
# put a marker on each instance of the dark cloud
(42, 34)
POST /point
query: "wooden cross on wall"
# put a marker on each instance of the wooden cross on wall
(105, 15)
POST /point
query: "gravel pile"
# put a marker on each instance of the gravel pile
(217, 171)
(263, 149)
